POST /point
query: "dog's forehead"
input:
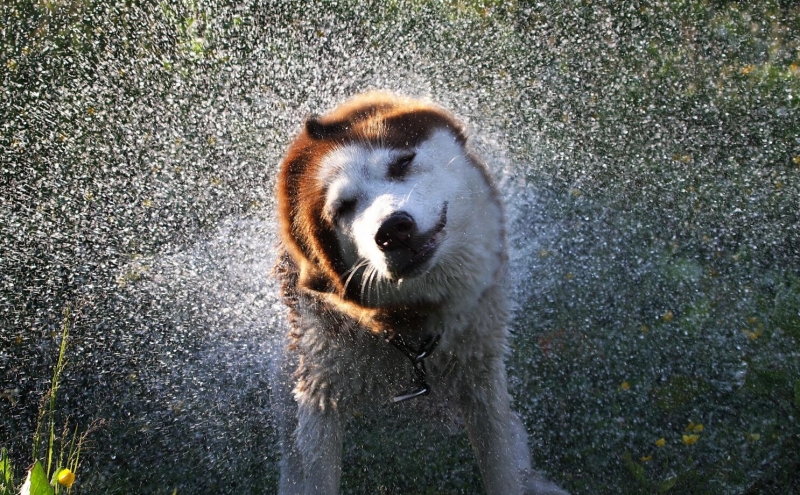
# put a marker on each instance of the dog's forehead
(354, 162)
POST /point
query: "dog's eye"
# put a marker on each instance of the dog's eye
(399, 168)
(343, 208)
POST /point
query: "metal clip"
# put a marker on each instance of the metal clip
(411, 394)
(417, 358)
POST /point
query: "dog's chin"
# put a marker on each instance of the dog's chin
(405, 265)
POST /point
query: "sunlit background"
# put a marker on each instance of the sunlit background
(648, 153)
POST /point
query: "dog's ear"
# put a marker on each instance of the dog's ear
(318, 129)
(314, 127)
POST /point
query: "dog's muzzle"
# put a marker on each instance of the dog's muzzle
(406, 249)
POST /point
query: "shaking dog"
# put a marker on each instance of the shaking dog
(393, 266)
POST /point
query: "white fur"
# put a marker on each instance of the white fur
(342, 366)
(472, 247)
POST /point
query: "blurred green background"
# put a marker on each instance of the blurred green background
(650, 157)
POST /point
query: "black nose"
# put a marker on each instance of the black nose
(395, 231)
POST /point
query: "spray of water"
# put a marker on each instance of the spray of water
(648, 158)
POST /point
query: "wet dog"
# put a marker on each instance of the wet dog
(393, 266)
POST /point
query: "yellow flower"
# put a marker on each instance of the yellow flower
(661, 442)
(690, 439)
(625, 386)
(646, 458)
(66, 478)
(667, 317)
(697, 428)
(755, 334)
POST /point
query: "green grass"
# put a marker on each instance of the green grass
(664, 136)
(56, 455)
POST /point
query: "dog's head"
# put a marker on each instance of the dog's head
(381, 204)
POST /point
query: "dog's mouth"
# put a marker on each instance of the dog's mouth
(418, 251)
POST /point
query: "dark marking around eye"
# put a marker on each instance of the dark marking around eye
(343, 208)
(400, 166)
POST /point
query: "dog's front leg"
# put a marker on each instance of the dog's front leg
(285, 407)
(484, 403)
(319, 440)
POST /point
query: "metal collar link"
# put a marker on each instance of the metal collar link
(417, 357)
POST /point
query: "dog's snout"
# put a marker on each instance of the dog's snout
(395, 231)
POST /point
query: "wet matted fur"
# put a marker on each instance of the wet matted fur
(392, 239)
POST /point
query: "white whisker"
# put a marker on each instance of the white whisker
(367, 282)
(409, 192)
(363, 262)
(374, 288)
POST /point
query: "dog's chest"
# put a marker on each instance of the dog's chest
(342, 365)
(351, 367)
